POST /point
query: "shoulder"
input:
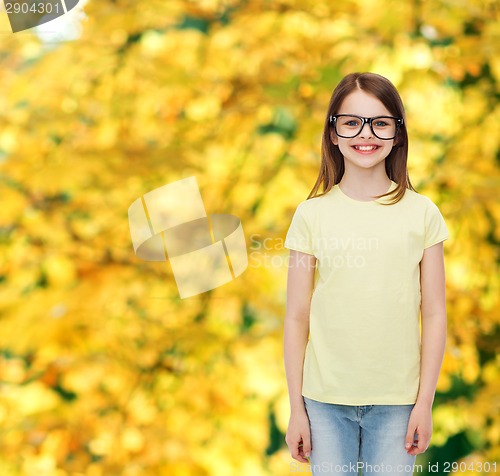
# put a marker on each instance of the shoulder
(418, 200)
(313, 205)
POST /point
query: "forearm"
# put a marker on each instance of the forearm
(432, 353)
(296, 332)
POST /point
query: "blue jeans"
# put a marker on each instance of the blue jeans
(348, 438)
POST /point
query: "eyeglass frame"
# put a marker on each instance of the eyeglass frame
(365, 120)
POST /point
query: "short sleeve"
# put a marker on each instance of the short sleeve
(435, 226)
(299, 234)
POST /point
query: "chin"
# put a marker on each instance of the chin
(368, 163)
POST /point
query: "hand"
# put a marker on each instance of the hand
(419, 431)
(298, 436)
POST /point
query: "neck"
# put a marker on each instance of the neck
(365, 184)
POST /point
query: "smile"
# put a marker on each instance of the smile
(365, 148)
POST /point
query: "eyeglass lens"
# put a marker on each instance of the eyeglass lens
(350, 126)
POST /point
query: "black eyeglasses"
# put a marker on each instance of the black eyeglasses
(350, 125)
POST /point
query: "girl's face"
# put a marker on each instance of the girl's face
(365, 151)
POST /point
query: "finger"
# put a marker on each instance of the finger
(412, 444)
(423, 443)
(306, 448)
(299, 456)
(410, 438)
(298, 453)
(420, 446)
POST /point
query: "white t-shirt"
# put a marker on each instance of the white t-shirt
(364, 339)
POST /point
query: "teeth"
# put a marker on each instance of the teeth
(365, 147)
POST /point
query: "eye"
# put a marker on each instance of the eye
(381, 123)
(350, 122)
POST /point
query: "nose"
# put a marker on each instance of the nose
(366, 131)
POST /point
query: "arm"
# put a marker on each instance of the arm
(433, 310)
(296, 331)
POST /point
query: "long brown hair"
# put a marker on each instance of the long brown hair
(332, 160)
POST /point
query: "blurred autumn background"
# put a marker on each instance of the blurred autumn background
(104, 369)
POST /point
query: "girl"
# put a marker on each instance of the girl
(366, 257)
